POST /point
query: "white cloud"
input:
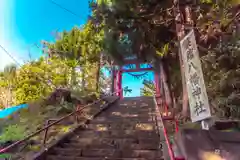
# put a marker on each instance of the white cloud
(6, 38)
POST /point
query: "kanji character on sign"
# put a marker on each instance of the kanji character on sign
(194, 80)
(196, 91)
(190, 54)
(187, 43)
(199, 107)
(191, 65)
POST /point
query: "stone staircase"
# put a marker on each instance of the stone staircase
(125, 131)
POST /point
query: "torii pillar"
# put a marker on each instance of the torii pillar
(156, 82)
(118, 82)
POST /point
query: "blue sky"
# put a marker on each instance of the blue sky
(134, 84)
(26, 22)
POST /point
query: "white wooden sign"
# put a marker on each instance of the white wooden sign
(197, 95)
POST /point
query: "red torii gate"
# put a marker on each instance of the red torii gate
(159, 99)
(117, 75)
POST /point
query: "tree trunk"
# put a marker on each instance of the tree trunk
(165, 86)
(112, 79)
(66, 82)
(180, 34)
(83, 78)
(97, 77)
(98, 73)
(167, 83)
(238, 29)
(73, 76)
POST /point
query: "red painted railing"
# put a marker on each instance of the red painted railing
(15, 144)
(160, 120)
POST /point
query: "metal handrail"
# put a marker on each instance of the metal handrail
(170, 151)
(160, 117)
(4, 150)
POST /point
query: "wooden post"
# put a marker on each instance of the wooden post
(120, 83)
(156, 82)
(180, 34)
(113, 89)
(180, 30)
(116, 81)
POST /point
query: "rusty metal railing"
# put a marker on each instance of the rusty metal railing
(162, 114)
(46, 130)
(161, 125)
(15, 144)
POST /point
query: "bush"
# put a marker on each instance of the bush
(12, 133)
(64, 108)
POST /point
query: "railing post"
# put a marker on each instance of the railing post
(76, 115)
(156, 80)
(116, 82)
(120, 85)
(113, 85)
(176, 126)
(45, 133)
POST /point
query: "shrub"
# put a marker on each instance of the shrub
(12, 133)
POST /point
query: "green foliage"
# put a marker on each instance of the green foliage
(36, 148)
(73, 61)
(80, 48)
(133, 27)
(7, 80)
(164, 50)
(148, 88)
(222, 72)
(220, 61)
(63, 108)
(12, 133)
(5, 156)
(206, 1)
(65, 129)
(127, 90)
(37, 79)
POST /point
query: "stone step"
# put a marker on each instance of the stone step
(141, 144)
(129, 114)
(134, 103)
(57, 157)
(149, 154)
(54, 157)
(113, 145)
(128, 111)
(114, 153)
(127, 117)
(131, 109)
(141, 140)
(120, 121)
(101, 153)
(122, 126)
(110, 146)
(117, 134)
(135, 109)
(65, 151)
